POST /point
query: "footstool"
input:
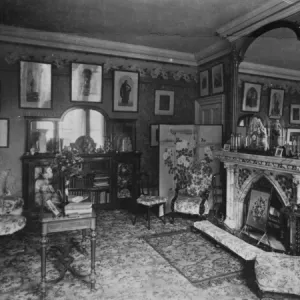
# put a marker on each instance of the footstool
(150, 202)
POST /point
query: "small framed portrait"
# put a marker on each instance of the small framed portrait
(251, 97)
(226, 147)
(204, 83)
(35, 85)
(293, 134)
(278, 152)
(154, 135)
(164, 103)
(4, 133)
(295, 114)
(86, 82)
(126, 91)
(276, 103)
(217, 79)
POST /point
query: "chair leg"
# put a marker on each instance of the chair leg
(164, 216)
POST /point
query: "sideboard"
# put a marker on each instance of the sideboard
(120, 169)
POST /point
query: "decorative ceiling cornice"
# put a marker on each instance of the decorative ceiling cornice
(269, 71)
(92, 45)
(270, 12)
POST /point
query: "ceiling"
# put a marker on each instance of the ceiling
(187, 26)
(180, 25)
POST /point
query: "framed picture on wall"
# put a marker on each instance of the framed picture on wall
(164, 102)
(35, 85)
(295, 114)
(292, 134)
(126, 91)
(154, 135)
(204, 83)
(276, 103)
(86, 82)
(4, 133)
(251, 97)
(217, 79)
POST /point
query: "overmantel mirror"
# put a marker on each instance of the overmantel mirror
(268, 68)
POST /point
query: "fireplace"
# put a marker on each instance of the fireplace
(244, 170)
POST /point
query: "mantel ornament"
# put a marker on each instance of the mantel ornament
(109, 65)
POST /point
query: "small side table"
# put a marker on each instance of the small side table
(51, 225)
(150, 202)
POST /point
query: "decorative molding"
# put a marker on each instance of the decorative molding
(109, 64)
(270, 12)
(269, 71)
(213, 52)
(92, 45)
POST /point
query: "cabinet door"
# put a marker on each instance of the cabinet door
(210, 110)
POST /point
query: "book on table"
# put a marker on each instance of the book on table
(78, 208)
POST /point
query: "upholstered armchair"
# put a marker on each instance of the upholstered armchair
(11, 208)
(192, 198)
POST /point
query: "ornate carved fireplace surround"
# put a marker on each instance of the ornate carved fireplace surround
(245, 169)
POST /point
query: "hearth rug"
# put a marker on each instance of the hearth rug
(198, 259)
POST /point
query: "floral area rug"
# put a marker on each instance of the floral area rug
(198, 259)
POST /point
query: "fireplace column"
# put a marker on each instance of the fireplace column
(234, 208)
(296, 180)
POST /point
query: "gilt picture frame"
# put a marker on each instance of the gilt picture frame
(251, 97)
(295, 114)
(204, 83)
(126, 91)
(35, 85)
(86, 82)
(164, 102)
(276, 103)
(217, 79)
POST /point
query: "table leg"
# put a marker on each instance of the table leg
(93, 253)
(43, 264)
(148, 217)
(164, 213)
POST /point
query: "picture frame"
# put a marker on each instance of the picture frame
(292, 133)
(295, 114)
(251, 97)
(226, 147)
(126, 91)
(4, 133)
(35, 85)
(154, 135)
(164, 102)
(258, 209)
(217, 79)
(278, 152)
(86, 82)
(204, 83)
(276, 103)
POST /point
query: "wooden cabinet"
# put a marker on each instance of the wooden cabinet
(114, 173)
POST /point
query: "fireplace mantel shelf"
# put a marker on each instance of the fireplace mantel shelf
(271, 163)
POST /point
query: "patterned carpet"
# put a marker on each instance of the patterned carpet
(198, 259)
(127, 267)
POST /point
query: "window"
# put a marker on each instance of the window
(82, 121)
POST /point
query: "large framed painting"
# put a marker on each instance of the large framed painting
(164, 103)
(4, 133)
(276, 103)
(217, 79)
(86, 82)
(126, 91)
(295, 114)
(251, 97)
(204, 83)
(258, 210)
(35, 85)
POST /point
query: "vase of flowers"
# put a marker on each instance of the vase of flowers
(67, 163)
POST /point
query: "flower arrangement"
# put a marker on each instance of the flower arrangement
(193, 175)
(67, 163)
